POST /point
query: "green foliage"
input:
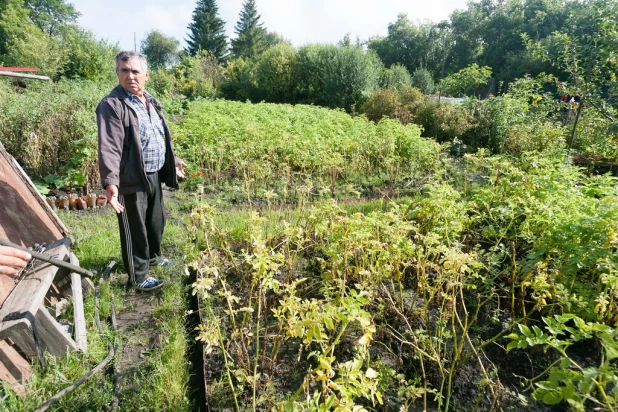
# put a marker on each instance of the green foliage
(251, 35)
(394, 104)
(350, 76)
(396, 77)
(565, 379)
(51, 130)
(239, 82)
(22, 43)
(198, 76)
(412, 45)
(275, 147)
(422, 80)
(466, 81)
(161, 51)
(277, 74)
(87, 57)
(51, 15)
(443, 121)
(63, 50)
(207, 30)
(382, 103)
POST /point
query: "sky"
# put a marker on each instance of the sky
(301, 21)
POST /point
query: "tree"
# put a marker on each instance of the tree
(251, 41)
(272, 39)
(22, 43)
(207, 31)
(51, 15)
(160, 51)
(466, 81)
(276, 74)
(87, 57)
(422, 80)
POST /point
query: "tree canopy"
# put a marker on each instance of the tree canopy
(160, 51)
(251, 39)
(207, 30)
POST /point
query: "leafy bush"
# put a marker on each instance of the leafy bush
(466, 81)
(51, 129)
(239, 80)
(423, 80)
(277, 74)
(382, 103)
(395, 105)
(397, 77)
(198, 76)
(337, 76)
(443, 121)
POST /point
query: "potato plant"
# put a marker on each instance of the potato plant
(298, 152)
(421, 302)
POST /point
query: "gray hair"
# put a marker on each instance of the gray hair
(125, 56)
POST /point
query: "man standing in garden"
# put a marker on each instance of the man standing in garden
(135, 157)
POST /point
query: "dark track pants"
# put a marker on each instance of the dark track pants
(141, 229)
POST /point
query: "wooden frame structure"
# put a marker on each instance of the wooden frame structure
(30, 303)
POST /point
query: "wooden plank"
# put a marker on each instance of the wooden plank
(24, 76)
(52, 337)
(21, 306)
(36, 219)
(78, 307)
(18, 69)
(18, 366)
(13, 383)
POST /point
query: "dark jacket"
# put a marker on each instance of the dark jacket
(121, 161)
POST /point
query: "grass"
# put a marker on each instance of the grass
(161, 380)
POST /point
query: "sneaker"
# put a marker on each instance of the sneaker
(150, 284)
(162, 262)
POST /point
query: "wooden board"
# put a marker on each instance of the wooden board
(25, 217)
(23, 317)
(14, 369)
(79, 324)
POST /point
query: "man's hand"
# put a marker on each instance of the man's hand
(11, 260)
(179, 165)
(111, 192)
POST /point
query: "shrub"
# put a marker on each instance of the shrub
(382, 103)
(465, 81)
(337, 76)
(423, 80)
(277, 74)
(443, 121)
(397, 77)
(199, 75)
(239, 80)
(51, 129)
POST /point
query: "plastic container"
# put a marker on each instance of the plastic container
(63, 202)
(51, 201)
(91, 200)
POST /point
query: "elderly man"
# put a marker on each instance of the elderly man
(135, 157)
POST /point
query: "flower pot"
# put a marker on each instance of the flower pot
(101, 201)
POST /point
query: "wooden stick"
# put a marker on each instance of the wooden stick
(49, 259)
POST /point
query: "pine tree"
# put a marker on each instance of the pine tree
(207, 30)
(251, 40)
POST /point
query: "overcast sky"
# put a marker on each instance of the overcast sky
(301, 21)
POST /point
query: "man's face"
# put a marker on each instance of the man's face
(132, 76)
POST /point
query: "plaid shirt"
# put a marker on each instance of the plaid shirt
(151, 133)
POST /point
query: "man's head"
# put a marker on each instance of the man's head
(132, 71)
